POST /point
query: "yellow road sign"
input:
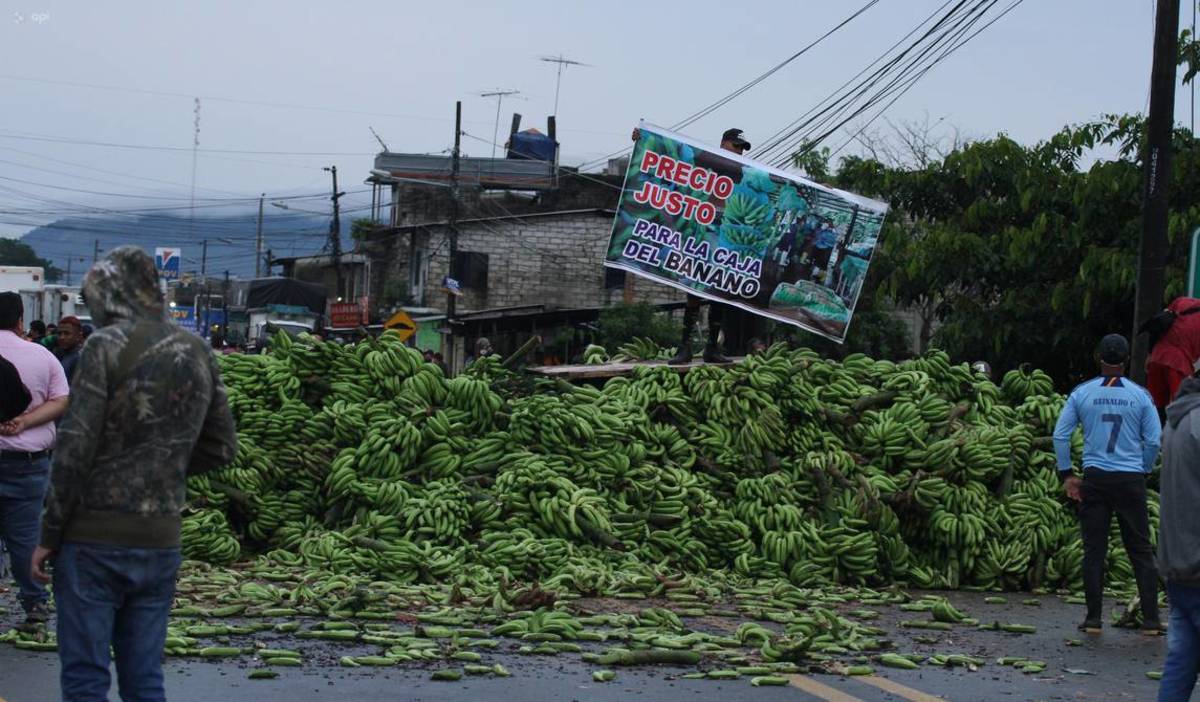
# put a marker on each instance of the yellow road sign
(402, 323)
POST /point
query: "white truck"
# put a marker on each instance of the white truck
(28, 282)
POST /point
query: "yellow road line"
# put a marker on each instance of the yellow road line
(899, 690)
(821, 690)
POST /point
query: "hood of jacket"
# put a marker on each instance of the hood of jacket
(1187, 399)
(124, 286)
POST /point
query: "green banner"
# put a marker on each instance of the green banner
(721, 226)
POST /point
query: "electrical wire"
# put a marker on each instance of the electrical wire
(770, 141)
(703, 112)
(913, 81)
(783, 143)
(183, 149)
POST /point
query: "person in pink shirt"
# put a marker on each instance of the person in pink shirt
(25, 444)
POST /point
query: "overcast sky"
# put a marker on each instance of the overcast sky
(1046, 64)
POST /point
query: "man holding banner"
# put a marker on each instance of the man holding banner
(731, 140)
(709, 222)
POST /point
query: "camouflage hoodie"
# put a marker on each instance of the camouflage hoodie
(147, 408)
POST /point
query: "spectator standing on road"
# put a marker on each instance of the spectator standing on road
(37, 330)
(68, 342)
(149, 408)
(25, 444)
(1174, 347)
(1121, 437)
(1179, 541)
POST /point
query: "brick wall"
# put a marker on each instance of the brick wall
(553, 260)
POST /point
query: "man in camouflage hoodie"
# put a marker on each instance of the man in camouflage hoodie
(148, 408)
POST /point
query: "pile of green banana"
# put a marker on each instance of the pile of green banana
(364, 460)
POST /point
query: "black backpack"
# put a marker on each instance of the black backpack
(1161, 323)
(14, 396)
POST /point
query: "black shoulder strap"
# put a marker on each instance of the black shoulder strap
(1190, 310)
(139, 342)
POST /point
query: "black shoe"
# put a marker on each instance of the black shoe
(683, 357)
(35, 619)
(1152, 627)
(712, 355)
(1092, 625)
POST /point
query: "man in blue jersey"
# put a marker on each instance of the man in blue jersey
(1121, 437)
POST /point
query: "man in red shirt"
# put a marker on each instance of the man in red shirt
(1174, 351)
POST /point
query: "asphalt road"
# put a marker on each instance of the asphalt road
(1108, 667)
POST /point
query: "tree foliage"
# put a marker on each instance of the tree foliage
(14, 252)
(622, 322)
(1021, 253)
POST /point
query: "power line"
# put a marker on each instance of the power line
(901, 84)
(784, 141)
(703, 112)
(770, 141)
(914, 80)
(185, 149)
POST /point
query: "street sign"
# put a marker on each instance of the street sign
(345, 315)
(1193, 272)
(403, 324)
(166, 260)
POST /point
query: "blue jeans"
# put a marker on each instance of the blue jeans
(1183, 644)
(22, 490)
(118, 596)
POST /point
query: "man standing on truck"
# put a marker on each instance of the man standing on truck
(718, 314)
(1121, 436)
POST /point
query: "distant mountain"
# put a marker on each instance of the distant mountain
(70, 243)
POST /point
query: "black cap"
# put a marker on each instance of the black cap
(1113, 350)
(735, 135)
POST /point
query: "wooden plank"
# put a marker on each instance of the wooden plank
(611, 370)
(821, 690)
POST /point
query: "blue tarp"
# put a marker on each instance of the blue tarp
(533, 145)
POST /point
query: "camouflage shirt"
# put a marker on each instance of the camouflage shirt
(147, 408)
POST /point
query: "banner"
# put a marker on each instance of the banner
(723, 227)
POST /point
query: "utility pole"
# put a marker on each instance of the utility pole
(450, 296)
(225, 310)
(1152, 251)
(335, 234)
(258, 240)
(199, 305)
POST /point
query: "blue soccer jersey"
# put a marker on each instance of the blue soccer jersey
(1121, 432)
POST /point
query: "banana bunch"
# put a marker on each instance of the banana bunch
(595, 355)
(1021, 383)
(639, 349)
(365, 461)
(205, 536)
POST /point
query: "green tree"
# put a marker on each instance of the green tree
(622, 322)
(14, 252)
(1020, 253)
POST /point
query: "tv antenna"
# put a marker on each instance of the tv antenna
(378, 138)
(499, 95)
(562, 62)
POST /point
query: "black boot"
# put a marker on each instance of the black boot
(712, 351)
(691, 313)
